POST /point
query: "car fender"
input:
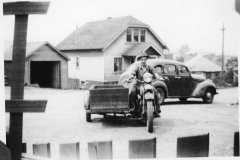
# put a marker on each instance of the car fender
(201, 88)
(162, 84)
(86, 99)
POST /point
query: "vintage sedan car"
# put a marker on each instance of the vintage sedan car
(180, 83)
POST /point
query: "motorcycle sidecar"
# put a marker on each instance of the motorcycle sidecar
(106, 99)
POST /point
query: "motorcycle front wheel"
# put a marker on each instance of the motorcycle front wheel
(150, 116)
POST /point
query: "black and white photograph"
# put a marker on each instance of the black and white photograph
(119, 79)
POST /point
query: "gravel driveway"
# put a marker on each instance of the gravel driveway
(64, 122)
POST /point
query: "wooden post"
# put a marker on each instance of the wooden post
(21, 10)
(69, 151)
(236, 144)
(24, 147)
(194, 146)
(145, 148)
(100, 150)
(42, 150)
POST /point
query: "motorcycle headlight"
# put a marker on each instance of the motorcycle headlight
(147, 77)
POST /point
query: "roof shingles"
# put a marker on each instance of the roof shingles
(98, 34)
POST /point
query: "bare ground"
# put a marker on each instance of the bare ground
(64, 122)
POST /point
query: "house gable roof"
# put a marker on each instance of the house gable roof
(100, 34)
(199, 64)
(31, 48)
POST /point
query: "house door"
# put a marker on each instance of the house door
(132, 60)
(208, 75)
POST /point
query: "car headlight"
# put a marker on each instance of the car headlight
(147, 77)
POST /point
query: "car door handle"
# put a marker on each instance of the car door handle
(177, 77)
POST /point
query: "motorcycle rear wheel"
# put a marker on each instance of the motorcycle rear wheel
(150, 116)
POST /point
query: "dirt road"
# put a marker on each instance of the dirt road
(64, 122)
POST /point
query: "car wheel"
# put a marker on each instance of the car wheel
(208, 96)
(88, 117)
(183, 99)
(162, 95)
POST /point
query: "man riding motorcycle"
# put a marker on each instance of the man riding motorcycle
(139, 72)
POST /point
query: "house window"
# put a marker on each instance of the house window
(117, 64)
(77, 62)
(135, 35)
(129, 35)
(142, 35)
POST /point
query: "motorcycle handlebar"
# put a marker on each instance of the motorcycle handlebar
(127, 81)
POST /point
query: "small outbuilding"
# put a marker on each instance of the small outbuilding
(45, 65)
(201, 65)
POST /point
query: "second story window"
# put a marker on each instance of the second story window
(129, 35)
(77, 62)
(142, 35)
(136, 35)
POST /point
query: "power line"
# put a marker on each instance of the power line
(223, 29)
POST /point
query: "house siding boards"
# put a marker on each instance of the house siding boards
(121, 46)
(117, 48)
(91, 65)
(153, 40)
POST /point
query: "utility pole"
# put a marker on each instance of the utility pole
(223, 51)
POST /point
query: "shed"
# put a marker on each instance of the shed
(44, 65)
(202, 65)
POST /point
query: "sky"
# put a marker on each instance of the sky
(197, 23)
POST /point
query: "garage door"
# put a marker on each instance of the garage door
(45, 73)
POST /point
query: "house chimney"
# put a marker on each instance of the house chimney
(109, 17)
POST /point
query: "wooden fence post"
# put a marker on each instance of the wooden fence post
(142, 148)
(21, 10)
(236, 144)
(5, 152)
(24, 147)
(69, 151)
(194, 146)
(100, 150)
(43, 150)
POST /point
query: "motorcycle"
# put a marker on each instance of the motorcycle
(146, 101)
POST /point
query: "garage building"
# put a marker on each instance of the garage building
(45, 65)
